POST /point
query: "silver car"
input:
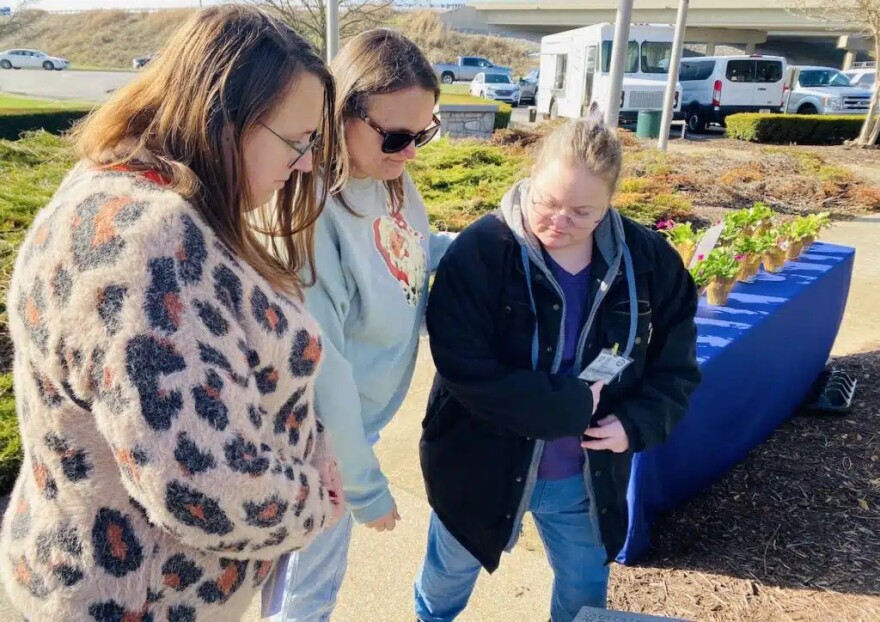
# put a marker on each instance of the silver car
(31, 59)
(528, 87)
(497, 86)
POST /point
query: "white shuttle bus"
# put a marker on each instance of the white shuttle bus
(575, 71)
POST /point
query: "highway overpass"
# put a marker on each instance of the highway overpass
(749, 24)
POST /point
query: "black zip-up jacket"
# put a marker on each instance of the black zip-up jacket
(488, 408)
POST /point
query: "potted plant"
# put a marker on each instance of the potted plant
(761, 217)
(701, 278)
(736, 224)
(817, 222)
(749, 250)
(682, 237)
(721, 266)
(775, 244)
(793, 234)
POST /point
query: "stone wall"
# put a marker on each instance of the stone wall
(467, 120)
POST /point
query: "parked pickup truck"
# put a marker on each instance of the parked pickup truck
(466, 69)
(823, 90)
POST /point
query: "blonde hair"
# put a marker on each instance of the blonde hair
(220, 75)
(584, 142)
(376, 62)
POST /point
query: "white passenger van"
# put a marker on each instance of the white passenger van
(717, 86)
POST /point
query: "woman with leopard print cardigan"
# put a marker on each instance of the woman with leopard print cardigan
(163, 384)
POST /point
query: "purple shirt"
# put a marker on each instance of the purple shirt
(564, 457)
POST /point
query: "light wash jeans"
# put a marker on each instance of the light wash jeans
(305, 584)
(313, 577)
(561, 509)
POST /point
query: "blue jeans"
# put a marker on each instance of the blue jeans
(561, 509)
(314, 576)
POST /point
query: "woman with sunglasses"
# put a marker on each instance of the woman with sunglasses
(374, 251)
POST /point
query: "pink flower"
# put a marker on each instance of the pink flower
(700, 257)
(665, 224)
(740, 257)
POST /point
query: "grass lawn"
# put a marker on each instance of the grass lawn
(9, 101)
(446, 98)
(97, 68)
(455, 89)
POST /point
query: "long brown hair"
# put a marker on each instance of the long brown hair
(375, 62)
(221, 73)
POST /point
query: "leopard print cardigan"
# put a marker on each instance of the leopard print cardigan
(164, 394)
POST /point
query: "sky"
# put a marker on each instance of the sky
(61, 5)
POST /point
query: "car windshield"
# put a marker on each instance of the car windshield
(823, 77)
(497, 78)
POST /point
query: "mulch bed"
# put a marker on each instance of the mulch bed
(791, 533)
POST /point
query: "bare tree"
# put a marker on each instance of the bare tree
(309, 17)
(18, 20)
(862, 16)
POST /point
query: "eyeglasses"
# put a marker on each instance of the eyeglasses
(581, 219)
(395, 142)
(314, 143)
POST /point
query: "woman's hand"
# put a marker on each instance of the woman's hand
(387, 522)
(610, 434)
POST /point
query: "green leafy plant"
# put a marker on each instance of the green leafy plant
(721, 263)
(749, 245)
(679, 232)
(699, 274)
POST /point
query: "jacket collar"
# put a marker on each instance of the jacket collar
(608, 238)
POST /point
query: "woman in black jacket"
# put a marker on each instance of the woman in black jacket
(531, 305)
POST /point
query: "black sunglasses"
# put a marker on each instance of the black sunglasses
(314, 143)
(395, 142)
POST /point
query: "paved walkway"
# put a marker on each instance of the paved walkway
(378, 587)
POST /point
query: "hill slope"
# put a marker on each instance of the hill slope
(113, 38)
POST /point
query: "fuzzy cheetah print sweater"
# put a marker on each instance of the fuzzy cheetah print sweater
(164, 397)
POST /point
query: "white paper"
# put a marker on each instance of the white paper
(707, 242)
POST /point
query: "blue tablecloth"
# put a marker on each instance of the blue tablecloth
(759, 356)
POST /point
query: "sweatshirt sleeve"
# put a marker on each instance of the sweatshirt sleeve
(439, 244)
(181, 409)
(337, 398)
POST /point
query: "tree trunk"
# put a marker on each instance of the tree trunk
(871, 129)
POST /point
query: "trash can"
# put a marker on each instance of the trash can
(533, 114)
(648, 123)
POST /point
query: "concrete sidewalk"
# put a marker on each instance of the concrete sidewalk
(382, 566)
(378, 587)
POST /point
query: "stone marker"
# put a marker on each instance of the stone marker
(591, 614)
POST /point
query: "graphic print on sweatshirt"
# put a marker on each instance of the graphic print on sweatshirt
(400, 246)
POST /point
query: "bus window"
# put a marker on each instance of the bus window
(632, 57)
(561, 70)
(656, 56)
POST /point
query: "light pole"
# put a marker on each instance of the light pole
(618, 58)
(332, 29)
(674, 63)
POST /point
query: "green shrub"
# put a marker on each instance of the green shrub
(783, 129)
(14, 123)
(10, 442)
(460, 180)
(502, 117)
(649, 209)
